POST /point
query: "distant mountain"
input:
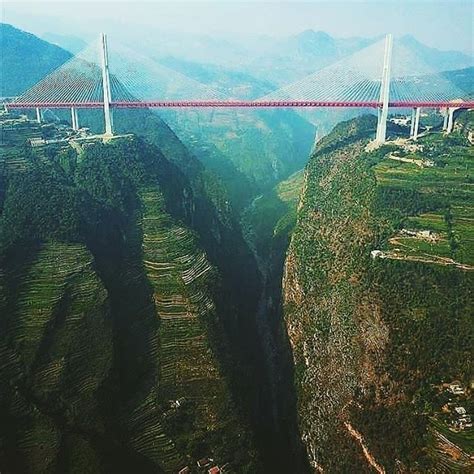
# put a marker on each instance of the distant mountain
(321, 44)
(258, 146)
(72, 44)
(436, 59)
(25, 60)
(230, 82)
(192, 47)
(294, 57)
(462, 78)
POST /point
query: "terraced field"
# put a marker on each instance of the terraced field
(110, 338)
(452, 451)
(448, 186)
(57, 321)
(181, 279)
(12, 138)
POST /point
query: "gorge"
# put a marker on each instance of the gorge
(216, 290)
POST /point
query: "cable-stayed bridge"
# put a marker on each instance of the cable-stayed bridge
(384, 75)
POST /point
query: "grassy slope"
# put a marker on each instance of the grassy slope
(450, 181)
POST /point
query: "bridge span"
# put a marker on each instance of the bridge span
(369, 79)
(238, 104)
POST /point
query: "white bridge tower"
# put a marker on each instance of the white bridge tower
(384, 91)
(106, 86)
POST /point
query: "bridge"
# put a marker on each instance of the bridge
(377, 77)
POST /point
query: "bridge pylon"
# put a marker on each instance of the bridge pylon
(106, 86)
(384, 91)
(412, 122)
(450, 124)
(416, 126)
(445, 114)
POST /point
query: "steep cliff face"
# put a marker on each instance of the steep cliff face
(268, 223)
(114, 356)
(371, 315)
(254, 148)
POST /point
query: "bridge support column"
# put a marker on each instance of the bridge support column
(449, 127)
(417, 123)
(445, 113)
(38, 115)
(74, 119)
(412, 122)
(106, 87)
(384, 92)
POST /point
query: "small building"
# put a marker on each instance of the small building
(401, 120)
(36, 141)
(178, 403)
(204, 462)
(462, 422)
(460, 410)
(214, 470)
(456, 389)
(185, 470)
(377, 254)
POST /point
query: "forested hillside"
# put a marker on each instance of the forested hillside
(191, 295)
(378, 302)
(115, 356)
(25, 60)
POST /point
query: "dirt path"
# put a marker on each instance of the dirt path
(419, 163)
(427, 258)
(370, 458)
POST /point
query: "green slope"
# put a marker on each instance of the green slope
(25, 60)
(374, 339)
(109, 313)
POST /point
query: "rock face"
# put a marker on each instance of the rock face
(367, 334)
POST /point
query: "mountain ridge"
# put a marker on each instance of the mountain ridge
(38, 58)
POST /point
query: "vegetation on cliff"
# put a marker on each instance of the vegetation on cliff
(379, 315)
(114, 353)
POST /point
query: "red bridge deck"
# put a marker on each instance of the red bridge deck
(232, 104)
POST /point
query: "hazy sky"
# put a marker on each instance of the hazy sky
(444, 25)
